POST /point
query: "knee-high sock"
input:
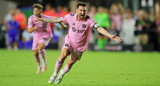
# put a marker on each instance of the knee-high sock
(58, 66)
(43, 54)
(66, 69)
(38, 61)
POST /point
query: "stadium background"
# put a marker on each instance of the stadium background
(134, 62)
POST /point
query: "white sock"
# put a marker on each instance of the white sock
(54, 74)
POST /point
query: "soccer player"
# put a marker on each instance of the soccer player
(75, 43)
(42, 35)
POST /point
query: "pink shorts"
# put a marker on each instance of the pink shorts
(45, 41)
(74, 54)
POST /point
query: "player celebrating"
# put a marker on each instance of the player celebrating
(42, 35)
(76, 41)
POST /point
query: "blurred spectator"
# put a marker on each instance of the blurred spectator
(128, 28)
(8, 17)
(13, 33)
(142, 24)
(59, 10)
(21, 19)
(2, 34)
(135, 16)
(116, 17)
(157, 21)
(92, 11)
(49, 11)
(64, 11)
(27, 39)
(102, 19)
(94, 33)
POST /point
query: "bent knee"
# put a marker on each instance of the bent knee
(40, 47)
(36, 53)
(70, 63)
(64, 54)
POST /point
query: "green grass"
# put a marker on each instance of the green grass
(17, 68)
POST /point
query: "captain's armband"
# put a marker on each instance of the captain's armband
(95, 26)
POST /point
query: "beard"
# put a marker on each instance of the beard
(81, 16)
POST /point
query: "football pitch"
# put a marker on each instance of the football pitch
(18, 68)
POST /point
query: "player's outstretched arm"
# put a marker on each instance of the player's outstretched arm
(63, 25)
(106, 33)
(52, 20)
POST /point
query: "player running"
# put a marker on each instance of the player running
(42, 36)
(75, 43)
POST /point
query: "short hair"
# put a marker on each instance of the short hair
(81, 4)
(39, 6)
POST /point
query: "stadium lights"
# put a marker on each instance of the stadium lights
(143, 3)
(150, 3)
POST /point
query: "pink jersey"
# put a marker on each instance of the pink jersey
(79, 31)
(43, 31)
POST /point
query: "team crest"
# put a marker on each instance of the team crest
(72, 14)
(84, 25)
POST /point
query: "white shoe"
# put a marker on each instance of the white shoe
(52, 78)
(44, 68)
(38, 70)
(59, 78)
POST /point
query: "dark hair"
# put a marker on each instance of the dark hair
(39, 6)
(81, 4)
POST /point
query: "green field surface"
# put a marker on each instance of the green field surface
(18, 68)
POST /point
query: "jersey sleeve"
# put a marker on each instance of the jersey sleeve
(48, 17)
(93, 24)
(30, 24)
(65, 19)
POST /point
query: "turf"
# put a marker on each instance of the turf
(17, 68)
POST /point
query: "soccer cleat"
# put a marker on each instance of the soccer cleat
(44, 68)
(52, 78)
(38, 71)
(59, 78)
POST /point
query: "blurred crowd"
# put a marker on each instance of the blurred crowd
(136, 27)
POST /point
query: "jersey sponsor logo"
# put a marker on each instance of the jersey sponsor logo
(84, 25)
(80, 31)
(95, 26)
(73, 29)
